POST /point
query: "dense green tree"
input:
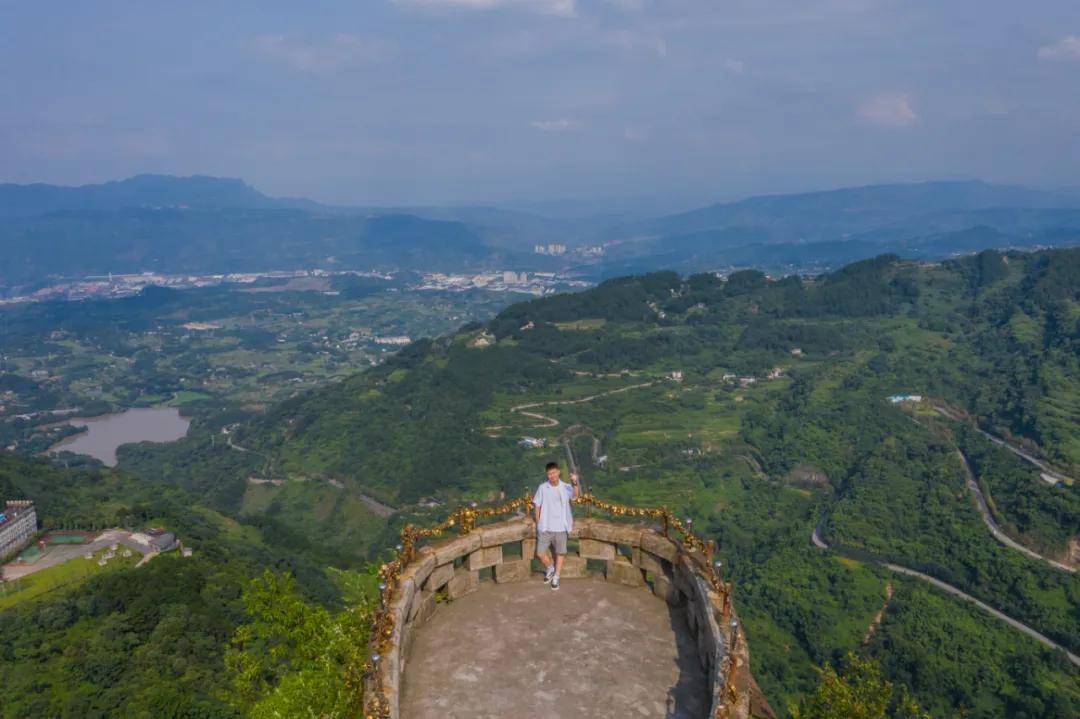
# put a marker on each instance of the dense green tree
(295, 659)
(860, 691)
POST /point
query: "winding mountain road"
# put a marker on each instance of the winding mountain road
(1049, 474)
(552, 422)
(984, 507)
(818, 542)
(986, 608)
(995, 529)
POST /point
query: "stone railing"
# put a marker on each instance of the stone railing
(679, 571)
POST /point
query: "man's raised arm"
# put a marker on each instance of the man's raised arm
(577, 485)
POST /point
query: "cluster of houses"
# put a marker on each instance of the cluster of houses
(747, 380)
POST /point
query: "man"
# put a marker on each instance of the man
(554, 521)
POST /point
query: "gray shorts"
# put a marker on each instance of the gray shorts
(557, 540)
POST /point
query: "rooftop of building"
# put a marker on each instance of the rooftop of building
(13, 509)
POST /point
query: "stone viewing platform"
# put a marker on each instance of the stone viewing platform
(592, 649)
(642, 626)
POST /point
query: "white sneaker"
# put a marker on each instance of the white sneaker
(555, 582)
(549, 575)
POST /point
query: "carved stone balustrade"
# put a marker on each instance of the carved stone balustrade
(630, 554)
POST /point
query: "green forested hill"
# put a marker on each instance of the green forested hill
(757, 406)
(993, 335)
(778, 422)
(158, 640)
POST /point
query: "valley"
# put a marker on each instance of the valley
(759, 408)
(218, 352)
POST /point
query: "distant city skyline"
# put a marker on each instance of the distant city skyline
(531, 101)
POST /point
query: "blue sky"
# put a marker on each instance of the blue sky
(447, 101)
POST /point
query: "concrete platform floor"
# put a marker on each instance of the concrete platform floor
(523, 651)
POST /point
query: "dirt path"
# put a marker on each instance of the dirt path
(377, 507)
(879, 616)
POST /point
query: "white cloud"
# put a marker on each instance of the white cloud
(563, 8)
(888, 109)
(632, 41)
(735, 67)
(1067, 48)
(326, 56)
(560, 125)
(628, 5)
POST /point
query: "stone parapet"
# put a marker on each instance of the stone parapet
(452, 569)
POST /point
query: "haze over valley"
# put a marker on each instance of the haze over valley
(319, 324)
(211, 226)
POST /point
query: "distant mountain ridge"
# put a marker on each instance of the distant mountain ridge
(806, 216)
(76, 243)
(205, 224)
(140, 191)
(211, 224)
(930, 220)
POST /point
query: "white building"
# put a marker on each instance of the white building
(18, 522)
(554, 249)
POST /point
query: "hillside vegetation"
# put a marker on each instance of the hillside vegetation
(779, 422)
(172, 638)
(759, 407)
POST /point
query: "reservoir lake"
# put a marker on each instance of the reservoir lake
(105, 433)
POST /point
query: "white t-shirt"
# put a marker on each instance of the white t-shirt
(554, 503)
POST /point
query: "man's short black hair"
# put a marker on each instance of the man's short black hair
(550, 466)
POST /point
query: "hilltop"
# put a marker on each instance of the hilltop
(760, 408)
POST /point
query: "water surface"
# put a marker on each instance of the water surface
(105, 433)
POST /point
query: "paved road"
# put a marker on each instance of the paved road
(245, 450)
(987, 516)
(1054, 476)
(986, 608)
(60, 553)
(992, 525)
(818, 542)
(552, 422)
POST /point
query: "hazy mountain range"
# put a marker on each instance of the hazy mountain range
(209, 224)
